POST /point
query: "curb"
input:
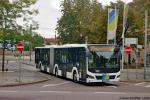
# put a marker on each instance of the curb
(26, 83)
(134, 81)
(28, 64)
(46, 78)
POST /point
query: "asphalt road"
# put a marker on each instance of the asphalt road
(62, 89)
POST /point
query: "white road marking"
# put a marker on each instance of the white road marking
(11, 91)
(113, 86)
(7, 71)
(147, 86)
(55, 92)
(7, 91)
(68, 92)
(55, 84)
(109, 92)
(139, 83)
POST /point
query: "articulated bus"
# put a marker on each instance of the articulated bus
(80, 62)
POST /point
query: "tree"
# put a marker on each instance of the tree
(9, 12)
(138, 8)
(80, 19)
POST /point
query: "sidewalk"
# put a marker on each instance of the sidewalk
(12, 77)
(135, 75)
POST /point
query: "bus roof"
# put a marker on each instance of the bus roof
(74, 45)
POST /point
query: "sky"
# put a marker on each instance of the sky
(50, 12)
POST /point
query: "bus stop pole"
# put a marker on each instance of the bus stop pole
(20, 54)
(136, 61)
(123, 53)
(145, 46)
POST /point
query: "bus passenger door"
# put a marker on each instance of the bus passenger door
(64, 62)
(51, 60)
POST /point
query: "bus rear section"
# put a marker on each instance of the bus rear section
(42, 58)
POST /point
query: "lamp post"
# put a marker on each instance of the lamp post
(30, 50)
(145, 42)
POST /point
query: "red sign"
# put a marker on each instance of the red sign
(128, 50)
(20, 47)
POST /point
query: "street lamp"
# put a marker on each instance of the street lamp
(30, 50)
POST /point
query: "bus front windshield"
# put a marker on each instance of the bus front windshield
(103, 59)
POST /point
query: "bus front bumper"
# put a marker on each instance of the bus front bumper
(88, 80)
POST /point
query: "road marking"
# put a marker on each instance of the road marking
(109, 92)
(139, 83)
(114, 87)
(7, 71)
(6, 91)
(147, 86)
(11, 91)
(55, 92)
(55, 84)
(69, 92)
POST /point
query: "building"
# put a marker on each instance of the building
(50, 41)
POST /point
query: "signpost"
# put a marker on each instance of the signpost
(20, 48)
(131, 41)
(128, 51)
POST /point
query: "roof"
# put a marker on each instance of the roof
(74, 45)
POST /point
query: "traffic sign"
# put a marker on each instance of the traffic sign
(20, 47)
(128, 50)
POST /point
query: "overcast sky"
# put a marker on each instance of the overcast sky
(50, 12)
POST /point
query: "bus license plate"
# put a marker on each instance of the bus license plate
(105, 77)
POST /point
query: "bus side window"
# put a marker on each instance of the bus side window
(57, 56)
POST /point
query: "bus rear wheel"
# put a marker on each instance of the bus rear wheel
(56, 72)
(74, 76)
(40, 67)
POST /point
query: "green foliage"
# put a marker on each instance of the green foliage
(10, 30)
(81, 18)
(31, 40)
(9, 12)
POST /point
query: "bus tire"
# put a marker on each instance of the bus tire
(74, 76)
(56, 72)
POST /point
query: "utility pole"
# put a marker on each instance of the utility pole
(145, 46)
(30, 42)
(86, 39)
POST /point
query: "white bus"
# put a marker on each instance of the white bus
(80, 62)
